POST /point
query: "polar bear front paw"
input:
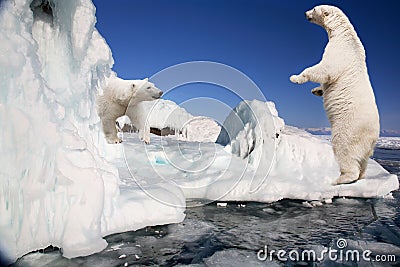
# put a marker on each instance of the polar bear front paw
(299, 79)
(114, 140)
(317, 91)
(146, 140)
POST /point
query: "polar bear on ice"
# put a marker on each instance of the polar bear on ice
(122, 97)
(349, 100)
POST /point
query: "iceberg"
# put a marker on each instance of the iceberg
(258, 158)
(303, 167)
(55, 186)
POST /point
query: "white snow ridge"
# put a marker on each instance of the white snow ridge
(165, 114)
(61, 184)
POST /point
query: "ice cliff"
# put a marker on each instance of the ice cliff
(55, 188)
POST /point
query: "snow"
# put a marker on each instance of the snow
(383, 142)
(162, 114)
(200, 129)
(166, 113)
(388, 142)
(61, 184)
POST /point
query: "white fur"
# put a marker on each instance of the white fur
(122, 97)
(349, 100)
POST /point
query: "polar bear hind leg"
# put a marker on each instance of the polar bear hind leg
(353, 156)
(348, 172)
(348, 160)
(364, 161)
(364, 164)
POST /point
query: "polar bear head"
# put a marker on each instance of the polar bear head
(325, 15)
(145, 91)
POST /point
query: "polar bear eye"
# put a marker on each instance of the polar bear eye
(148, 87)
(133, 85)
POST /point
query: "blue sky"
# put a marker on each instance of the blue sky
(266, 40)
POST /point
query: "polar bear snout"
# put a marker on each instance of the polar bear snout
(160, 93)
(313, 16)
(308, 15)
(316, 15)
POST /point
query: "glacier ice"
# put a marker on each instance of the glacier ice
(252, 130)
(55, 187)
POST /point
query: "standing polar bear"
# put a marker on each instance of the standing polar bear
(122, 97)
(349, 100)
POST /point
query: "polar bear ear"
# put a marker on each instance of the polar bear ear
(146, 79)
(326, 13)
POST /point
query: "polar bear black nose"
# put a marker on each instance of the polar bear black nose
(160, 93)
